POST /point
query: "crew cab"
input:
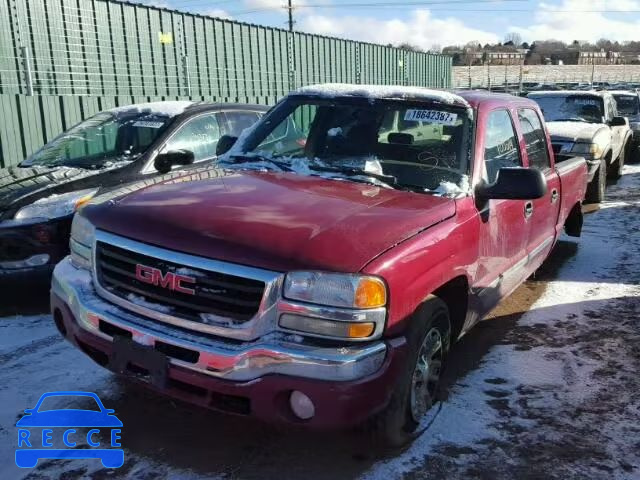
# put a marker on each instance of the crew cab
(39, 196)
(322, 282)
(628, 103)
(587, 124)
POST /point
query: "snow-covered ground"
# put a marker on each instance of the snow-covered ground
(547, 388)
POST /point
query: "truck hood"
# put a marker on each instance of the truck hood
(19, 186)
(574, 131)
(276, 221)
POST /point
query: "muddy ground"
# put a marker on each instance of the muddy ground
(548, 387)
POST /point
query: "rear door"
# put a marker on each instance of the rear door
(504, 229)
(541, 214)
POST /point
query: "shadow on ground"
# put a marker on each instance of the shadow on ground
(24, 296)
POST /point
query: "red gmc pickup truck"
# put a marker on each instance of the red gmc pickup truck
(319, 272)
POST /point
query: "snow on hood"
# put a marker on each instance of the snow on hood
(573, 130)
(170, 108)
(331, 90)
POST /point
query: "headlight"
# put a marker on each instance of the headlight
(336, 290)
(56, 206)
(588, 149)
(81, 244)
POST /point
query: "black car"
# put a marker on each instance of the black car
(127, 144)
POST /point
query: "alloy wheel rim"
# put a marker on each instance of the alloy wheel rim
(426, 374)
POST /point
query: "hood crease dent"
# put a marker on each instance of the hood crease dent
(307, 222)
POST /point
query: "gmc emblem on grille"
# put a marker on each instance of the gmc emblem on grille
(170, 281)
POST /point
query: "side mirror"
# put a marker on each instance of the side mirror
(165, 161)
(618, 122)
(514, 184)
(225, 143)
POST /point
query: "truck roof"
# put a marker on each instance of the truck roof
(461, 98)
(173, 108)
(570, 93)
(336, 90)
(630, 93)
(476, 97)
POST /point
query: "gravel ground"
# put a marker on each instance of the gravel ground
(548, 387)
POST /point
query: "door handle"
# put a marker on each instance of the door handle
(528, 209)
(554, 195)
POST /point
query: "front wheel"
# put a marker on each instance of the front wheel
(428, 341)
(615, 172)
(634, 153)
(596, 188)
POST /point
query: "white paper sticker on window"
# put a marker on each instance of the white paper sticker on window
(431, 116)
(585, 101)
(142, 123)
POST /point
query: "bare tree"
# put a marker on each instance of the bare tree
(513, 37)
(410, 48)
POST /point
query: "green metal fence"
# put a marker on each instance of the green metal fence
(103, 52)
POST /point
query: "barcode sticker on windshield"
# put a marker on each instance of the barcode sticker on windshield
(431, 116)
(142, 123)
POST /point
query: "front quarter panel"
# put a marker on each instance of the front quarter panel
(422, 264)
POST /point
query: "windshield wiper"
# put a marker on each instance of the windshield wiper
(387, 180)
(253, 158)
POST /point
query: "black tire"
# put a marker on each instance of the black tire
(615, 170)
(396, 425)
(634, 153)
(597, 186)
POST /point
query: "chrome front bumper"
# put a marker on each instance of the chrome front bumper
(273, 353)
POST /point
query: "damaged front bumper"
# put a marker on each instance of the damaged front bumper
(262, 372)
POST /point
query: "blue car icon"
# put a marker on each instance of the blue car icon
(68, 418)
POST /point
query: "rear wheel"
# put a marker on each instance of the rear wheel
(416, 391)
(596, 188)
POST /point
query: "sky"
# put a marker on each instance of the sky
(435, 23)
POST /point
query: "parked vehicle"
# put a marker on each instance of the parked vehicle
(628, 103)
(39, 196)
(322, 284)
(587, 124)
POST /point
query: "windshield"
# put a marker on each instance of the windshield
(397, 144)
(628, 104)
(102, 140)
(576, 108)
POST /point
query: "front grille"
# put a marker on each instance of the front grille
(236, 299)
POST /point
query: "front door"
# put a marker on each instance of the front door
(504, 224)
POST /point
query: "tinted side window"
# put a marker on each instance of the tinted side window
(535, 139)
(501, 144)
(199, 136)
(238, 121)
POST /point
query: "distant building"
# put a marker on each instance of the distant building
(599, 58)
(505, 58)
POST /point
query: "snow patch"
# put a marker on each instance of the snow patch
(170, 108)
(218, 321)
(450, 189)
(142, 302)
(374, 92)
